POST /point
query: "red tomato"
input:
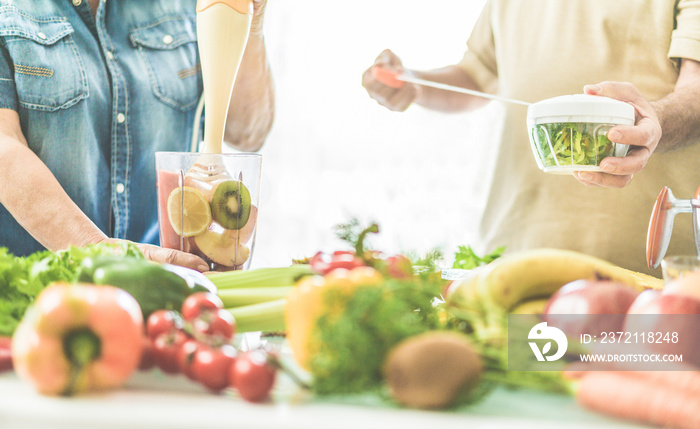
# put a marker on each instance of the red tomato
(161, 322)
(319, 262)
(185, 357)
(215, 322)
(346, 260)
(324, 263)
(148, 360)
(252, 375)
(211, 366)
(198, 302)
(165, 348)
(5, 354)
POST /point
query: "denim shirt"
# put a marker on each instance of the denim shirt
(97, 96)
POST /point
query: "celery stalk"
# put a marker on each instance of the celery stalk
(260, 277)
(266, 316)
(239, 297)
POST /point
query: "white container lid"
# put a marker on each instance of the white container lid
(580, 108)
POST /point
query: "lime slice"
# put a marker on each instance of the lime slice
(188, 211)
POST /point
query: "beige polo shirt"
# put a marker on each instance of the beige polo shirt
(537, 49)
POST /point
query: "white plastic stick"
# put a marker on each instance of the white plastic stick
(446, 87)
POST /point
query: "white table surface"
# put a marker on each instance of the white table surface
(154, 400)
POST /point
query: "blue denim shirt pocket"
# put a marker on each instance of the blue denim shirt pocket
(169, 50)
(48, 71)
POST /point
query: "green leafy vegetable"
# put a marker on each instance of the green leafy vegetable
(355, 341)
(358, 330)
(487, 326)
(466, 258)
(23, 278)
(572, 143)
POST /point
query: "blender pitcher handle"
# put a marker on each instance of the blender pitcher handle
(695, 203)
(661, 224)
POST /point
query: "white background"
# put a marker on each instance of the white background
(334, 153)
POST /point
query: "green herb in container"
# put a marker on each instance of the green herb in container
(569, 133)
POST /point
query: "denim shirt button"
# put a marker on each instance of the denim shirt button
(167, 39)
(110, 55)
(77, 2)
(41, 35)
(121, 118)
(120, 188)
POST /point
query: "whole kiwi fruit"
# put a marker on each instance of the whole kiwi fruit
(230, 204)
(432, 369)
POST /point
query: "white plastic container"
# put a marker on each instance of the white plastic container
(569, 133)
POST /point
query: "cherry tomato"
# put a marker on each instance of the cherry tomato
(6, 354)
(319, 262)
(324, 263)
(162, 321)
(252, 375)
(165, 348)
(346, 260)
(211, 366)
(148, 360)
(215, 322)
(198, 302)
(185, 357)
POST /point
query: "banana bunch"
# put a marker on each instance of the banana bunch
(522, 282)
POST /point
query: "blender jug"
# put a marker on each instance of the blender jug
(661, 223)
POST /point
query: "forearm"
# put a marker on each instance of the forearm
(251, 112)
(447, 101)
(679, 112)
(33, 196)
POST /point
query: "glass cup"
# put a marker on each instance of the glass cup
(208, 205)
(674, 267)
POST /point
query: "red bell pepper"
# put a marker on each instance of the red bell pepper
(78, 337)
(5, 354)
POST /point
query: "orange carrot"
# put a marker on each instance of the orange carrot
(683, 381)
(686, 378)
(642, 396)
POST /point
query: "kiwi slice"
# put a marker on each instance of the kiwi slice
(230, 205)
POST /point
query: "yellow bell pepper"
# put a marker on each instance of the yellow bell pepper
(306, 303)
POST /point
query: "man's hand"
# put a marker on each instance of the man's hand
(396, 99)
(643, 137)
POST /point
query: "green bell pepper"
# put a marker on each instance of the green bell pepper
(155, 286)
